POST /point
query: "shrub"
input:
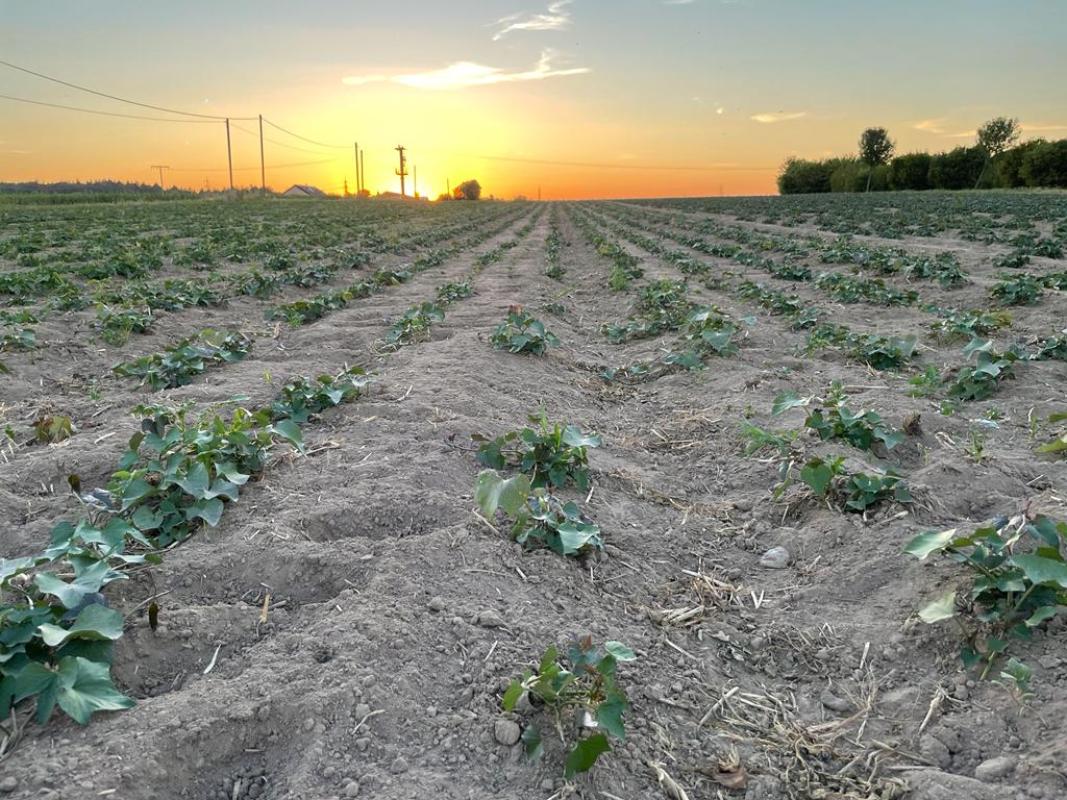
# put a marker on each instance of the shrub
(910, 172)
(1046, 165)
(799, 176)
(957, 169)
(1008, 165)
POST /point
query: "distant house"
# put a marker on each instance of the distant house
(302, 190)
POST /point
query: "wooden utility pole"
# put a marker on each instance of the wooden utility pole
(229, 152)
(355, 155)
(362, 172)
(160, 167)
(402, 172)
(262, 162)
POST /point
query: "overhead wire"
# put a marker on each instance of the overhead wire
(305, 139)
(276, 142)
(109, 113)
(249, 169)
(116, 97)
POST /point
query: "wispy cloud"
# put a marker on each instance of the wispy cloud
(554, 19)
(938, 127)
(770, 117)
(464, 74)
(1042, 128)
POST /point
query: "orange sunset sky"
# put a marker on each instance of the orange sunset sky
(587, 98)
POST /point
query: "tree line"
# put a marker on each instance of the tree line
(995, 161)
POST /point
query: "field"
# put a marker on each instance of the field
(308, 598)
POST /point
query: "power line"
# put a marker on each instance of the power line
(115, 97)
(248, 169)
(108, 113)
(304, 138)
(275, 141)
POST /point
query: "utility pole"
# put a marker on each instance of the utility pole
(448, 187)
(362, 172)
(355, 155)
(262, 163)
(229, 152)
(160, 167)
(402, 172)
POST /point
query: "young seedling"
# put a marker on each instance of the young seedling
(415, 325)
(522, 333)
(551, 454)
(538, 517)
(832, 419)
(1018, 577)
(983, 379)
(582, 697)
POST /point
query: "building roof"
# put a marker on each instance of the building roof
(304, 190)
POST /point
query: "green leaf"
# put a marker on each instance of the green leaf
(1042, 570)
(196, 480)
(929, 542)
(492, 492)
(88, 582)
(531, 739)
(85, 687)
(817, 475)
(208, 510)
(95, 621)
(620, 651)
(1040, 615)
(511, 696)
(609, 716)
(787, 400)
(585, 754)
(290, 431)
(943, 607)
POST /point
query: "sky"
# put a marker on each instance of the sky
(586, 98)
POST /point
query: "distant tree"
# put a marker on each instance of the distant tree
(1009, 164)
(910, 171)
(468, 190)
(799, 176)
(875, 150)
(995, 137)
(957, 169)
(1046, 165)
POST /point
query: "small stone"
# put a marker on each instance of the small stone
(9, 784)
(993, 769)
(506, 732)
(399, 765)
(547, 785)
(436, 604)
(362, 710)
(833, 702)
(309, 724)
(776, 558)
(362, 744)
(935, 751)
(351, 789)
(490, 619)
